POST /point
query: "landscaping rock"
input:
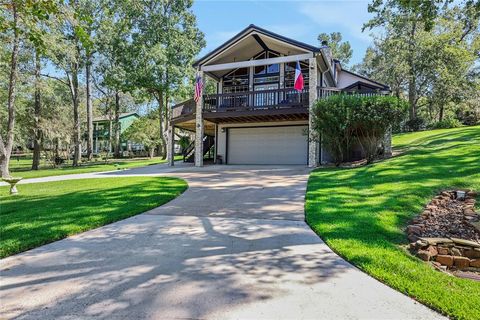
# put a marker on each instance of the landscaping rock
(445, 260)
(447, 233)
(456, 252)
(424, 255)
(461, 262)
(475, 263)
(466, 242)
(472, 253)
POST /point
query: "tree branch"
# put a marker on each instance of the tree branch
(55, 78)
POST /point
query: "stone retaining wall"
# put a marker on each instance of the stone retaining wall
(447, 233)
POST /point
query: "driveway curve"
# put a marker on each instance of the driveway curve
(233, 246)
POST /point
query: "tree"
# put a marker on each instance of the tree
(19, 19)
(341, 120)
(165, 40)
(72, 40)
(144, 131)
(432, 65)
(340, 50)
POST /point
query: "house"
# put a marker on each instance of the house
(256, 116)
(103, 128)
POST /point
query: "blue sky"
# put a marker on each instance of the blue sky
(301, 20)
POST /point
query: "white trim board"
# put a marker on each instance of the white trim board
(255, 63)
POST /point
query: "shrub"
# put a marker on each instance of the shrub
(415, 124)
(446, 124)
(342, 119)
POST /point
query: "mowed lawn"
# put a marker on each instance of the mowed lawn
(21, 167)
(361, 213)
(45, 212)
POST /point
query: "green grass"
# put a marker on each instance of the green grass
(45, 212)
(361, 213)
(21, 167)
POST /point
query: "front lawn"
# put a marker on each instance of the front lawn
(21, 167)
(49, 211)
(361, 213)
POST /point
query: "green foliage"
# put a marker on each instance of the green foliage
(362, 213)
(145, 131)
(184, 142)
(46, 212)
(343, 119)
(415, 124)
(340, 50)
(446, 124)
(436, 68)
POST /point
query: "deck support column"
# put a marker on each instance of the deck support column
(199, 128)
(312, 98)
(171, 145)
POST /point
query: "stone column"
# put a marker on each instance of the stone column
(171, 145)
(312, 98)
(199, 129)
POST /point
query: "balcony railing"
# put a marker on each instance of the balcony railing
(258, 100)
(255, 100)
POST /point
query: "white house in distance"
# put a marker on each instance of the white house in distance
(256, 116)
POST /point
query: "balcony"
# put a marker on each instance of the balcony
(256, 100)
(264, 102)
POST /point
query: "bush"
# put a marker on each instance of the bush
(342, 119)
(415, 124)
(446, 124)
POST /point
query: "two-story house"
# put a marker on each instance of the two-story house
(256, 116)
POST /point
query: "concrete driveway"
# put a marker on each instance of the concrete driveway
(233, 246)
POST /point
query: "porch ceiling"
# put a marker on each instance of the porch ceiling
(190, 126)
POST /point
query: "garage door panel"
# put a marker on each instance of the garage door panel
(268, 145)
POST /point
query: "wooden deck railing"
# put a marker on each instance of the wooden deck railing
(258, 100)
(255, 100)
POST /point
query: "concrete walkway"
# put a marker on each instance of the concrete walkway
(233, 246)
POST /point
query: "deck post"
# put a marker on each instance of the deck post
(171, 145)
(199, 128)
(312, 97)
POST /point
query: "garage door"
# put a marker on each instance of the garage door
(268, 145)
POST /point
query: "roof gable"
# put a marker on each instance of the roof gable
(250, 41)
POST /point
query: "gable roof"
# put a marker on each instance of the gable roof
(120, 116)
(383, 86)
(255, 30)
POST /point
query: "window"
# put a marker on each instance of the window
(270, 69)
(290, 73)
(236, 81)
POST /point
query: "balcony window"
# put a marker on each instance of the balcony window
(290, 74)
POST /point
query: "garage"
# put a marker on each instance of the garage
(267, 145)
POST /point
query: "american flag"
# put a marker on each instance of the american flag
(198, 88)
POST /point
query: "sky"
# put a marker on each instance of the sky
(301, 20)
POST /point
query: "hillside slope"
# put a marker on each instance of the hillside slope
(361, 213)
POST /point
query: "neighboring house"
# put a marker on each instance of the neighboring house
(256, 116)
(104, 126)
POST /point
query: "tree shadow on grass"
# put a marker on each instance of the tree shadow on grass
(44, 215)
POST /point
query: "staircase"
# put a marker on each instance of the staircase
(189, 152)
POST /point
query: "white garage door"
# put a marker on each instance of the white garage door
(268, 145)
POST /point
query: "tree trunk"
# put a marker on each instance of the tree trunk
(37, 131)
(89, 110)
(412, 83)
(442, 109)
(77, 154)
(6, 147)
(117, 125)
(162, 146)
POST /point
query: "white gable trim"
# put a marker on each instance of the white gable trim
(255, 63)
